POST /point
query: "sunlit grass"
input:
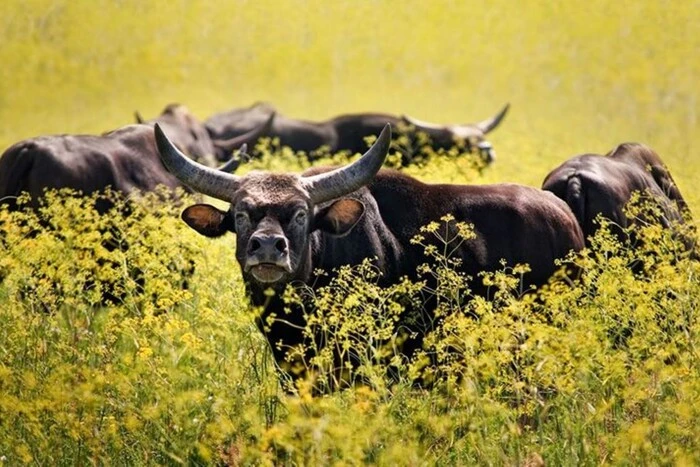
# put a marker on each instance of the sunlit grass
(602, 370)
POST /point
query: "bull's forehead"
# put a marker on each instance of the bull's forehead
(266, 189)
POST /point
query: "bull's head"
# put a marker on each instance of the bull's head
(273, 214)
(473, 134)
(224, 147)
(190, 135)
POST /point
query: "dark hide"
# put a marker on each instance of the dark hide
(188, 134)
(592, 184)
(191, 136)
(125, 159)
(236, 122)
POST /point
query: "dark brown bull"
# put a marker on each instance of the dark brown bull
(125, 159)
(592, 184)
(348, 132)
(287, 225)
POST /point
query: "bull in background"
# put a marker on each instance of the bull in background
(348, 132)
(593, 185)
(190, 135)
(288, 225)
(125, 159)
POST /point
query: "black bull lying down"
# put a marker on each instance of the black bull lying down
(125, 159)
(594, 185)
(287, 225)
(348, 132)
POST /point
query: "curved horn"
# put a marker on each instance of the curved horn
(137, 116)
(197, 176)
(346, 179)
(228, 145)
(420, 124)
(235, 161)
(490, 123)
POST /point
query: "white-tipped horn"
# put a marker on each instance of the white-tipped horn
(490, 123)
(422, 125)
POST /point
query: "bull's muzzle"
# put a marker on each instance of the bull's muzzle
(486, 151)
(267, 257)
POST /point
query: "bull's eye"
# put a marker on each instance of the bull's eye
(242, 219)
(300, 217)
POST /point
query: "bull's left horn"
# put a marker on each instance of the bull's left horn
(199, 177)
(346, 179)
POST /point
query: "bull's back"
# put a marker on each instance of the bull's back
(124, 160)
(44, 163)
(518, 225)
(303, 135)
(135, 160)
(647, 160)
(352, 129)
(515, 223)
(603, 186)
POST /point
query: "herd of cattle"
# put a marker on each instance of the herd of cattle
(288, 225)
(126, 158)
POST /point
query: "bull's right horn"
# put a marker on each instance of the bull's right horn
(346, 179)
(199, 177)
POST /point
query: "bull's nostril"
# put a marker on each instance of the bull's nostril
(254, 245)
(281, 245)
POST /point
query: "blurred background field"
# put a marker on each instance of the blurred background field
(580, 77)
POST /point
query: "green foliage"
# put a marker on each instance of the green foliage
(125, 377)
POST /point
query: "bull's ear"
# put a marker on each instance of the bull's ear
(340, 217)
(206, 219)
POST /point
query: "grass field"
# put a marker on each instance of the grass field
(182, 376)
